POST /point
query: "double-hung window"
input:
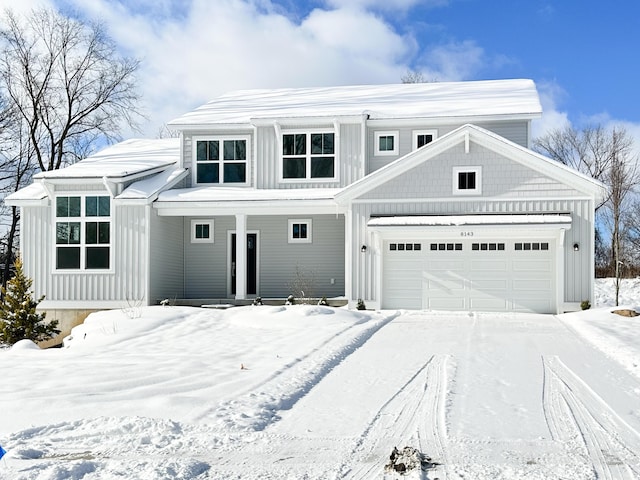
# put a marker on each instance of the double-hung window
(83, 232)
(221, 160)
(308, 155)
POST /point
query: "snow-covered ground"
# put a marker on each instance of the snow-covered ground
(309, 392)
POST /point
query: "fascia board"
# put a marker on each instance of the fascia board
(436, 121)
(286, 207)
(546, 166)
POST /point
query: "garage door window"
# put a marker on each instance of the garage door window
(487, 246)
(531, 246)
(394, 247)
(446, 247)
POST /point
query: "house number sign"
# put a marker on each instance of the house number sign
(466, 234)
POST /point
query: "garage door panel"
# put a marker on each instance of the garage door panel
(446, 303)
(489, 265)
(513, 275)
(532, 265)
(489, 284)
(489, 303)
(543, 284)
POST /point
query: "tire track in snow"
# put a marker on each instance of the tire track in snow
(572, 409)
(259, 406)
(414, 414)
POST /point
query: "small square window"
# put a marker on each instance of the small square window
(417, 246)
(423, 137)
(299, 231)
(202, 231)
(467, 180)
(393, 247)
(386, 143)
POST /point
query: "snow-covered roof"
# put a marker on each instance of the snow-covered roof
(233, 194)
(148, 188)
(32, 194)
(121, 160)
(517, 97)
(461, 220)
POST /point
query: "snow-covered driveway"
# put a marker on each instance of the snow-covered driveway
(327, 394)
(483, 395)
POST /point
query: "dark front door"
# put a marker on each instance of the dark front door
(252, 263)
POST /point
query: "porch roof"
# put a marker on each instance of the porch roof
(235, 200)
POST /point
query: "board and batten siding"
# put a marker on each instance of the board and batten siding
(517, 132)
(578, 265)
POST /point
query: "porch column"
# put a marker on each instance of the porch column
(241, 256)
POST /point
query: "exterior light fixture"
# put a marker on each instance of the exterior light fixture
(576, 247)
(363, 249)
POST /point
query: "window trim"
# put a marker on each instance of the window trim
(221, 161)
(477, 170)
(83, 219)
(308, 132)
(291, 222)
(416, 133)
(386, 133)
(194, 225)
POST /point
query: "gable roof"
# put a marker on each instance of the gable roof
(472, 133)
(506, 98)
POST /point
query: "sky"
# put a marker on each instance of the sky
(582, 56)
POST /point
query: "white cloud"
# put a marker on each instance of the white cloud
(453, 61)
(551, 94)
(227, 45)
(387, 5)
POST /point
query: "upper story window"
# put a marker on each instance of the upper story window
(386, 143)
(222, 160)
(423, 137)
(83, 232)
(308, 155)
(467, 180)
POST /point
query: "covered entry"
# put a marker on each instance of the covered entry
(481, 263)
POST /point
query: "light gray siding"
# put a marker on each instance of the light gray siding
(207, 264)
(322, 260)
(516, 131)
(166, 267)
(501, 177)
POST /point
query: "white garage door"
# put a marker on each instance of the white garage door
(486, 275)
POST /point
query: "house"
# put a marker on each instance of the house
(417, 196)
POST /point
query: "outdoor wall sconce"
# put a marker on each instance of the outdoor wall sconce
(576, 247)
(363, 249)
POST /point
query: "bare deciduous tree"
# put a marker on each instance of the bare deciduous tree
(69, 89)
(605, 155)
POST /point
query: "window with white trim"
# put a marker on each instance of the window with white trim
(83, 232)
(309, 155)
(201, 231)
(423, 137)
(299, 231)
(467, 180)
(386, 143)
(222, 160)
